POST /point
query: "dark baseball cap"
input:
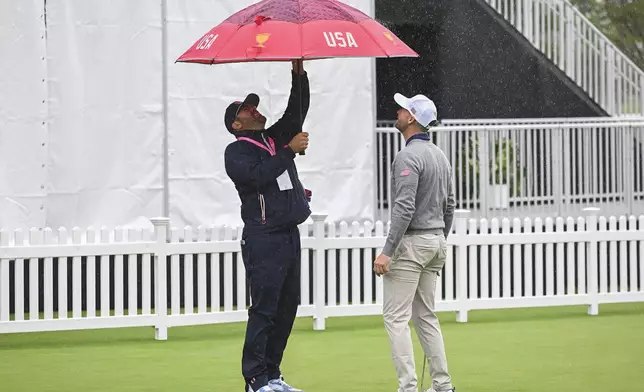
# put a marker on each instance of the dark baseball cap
(234, 108)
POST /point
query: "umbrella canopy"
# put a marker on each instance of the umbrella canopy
(280, 30)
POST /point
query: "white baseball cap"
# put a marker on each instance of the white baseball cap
(420, 107)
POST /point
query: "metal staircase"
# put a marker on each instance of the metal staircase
(566, 37)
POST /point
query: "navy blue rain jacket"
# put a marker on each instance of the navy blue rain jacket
(254, 170)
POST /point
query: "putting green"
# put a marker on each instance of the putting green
(553, 349)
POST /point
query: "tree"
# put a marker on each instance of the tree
(622, 21)
(627, 20)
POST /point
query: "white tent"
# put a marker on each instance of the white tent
(99, 126)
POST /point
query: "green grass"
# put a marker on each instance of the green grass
(560, 349)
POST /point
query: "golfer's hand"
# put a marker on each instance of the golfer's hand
(381, 264)
(300, 142)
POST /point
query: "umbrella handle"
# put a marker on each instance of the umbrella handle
(299, 85)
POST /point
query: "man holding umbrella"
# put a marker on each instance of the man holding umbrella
(261, 161)
(261, 165)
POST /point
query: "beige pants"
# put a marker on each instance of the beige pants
(409, 293)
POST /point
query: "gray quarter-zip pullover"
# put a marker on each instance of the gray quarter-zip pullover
(422, 195)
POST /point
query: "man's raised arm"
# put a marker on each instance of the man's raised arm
(289, 124)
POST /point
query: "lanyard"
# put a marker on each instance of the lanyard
(270, 148)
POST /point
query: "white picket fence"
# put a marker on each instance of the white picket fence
(51, 281)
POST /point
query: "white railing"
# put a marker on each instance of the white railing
(50, 281)
(571, 41)
(530, 167)
(523, 121)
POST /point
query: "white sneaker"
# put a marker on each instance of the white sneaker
(279, 385)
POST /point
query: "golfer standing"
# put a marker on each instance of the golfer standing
(416, 248)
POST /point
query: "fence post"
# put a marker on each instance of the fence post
(569, 43)
(558, 167)
(160, 277)
(461, 217)
(484, 170)
(611, 82)
(591, 254)
(319, 273)
(628, 174)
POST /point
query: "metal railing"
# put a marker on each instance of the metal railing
(571, 41)
(555, 166)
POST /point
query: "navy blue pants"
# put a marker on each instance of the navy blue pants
(272, 264)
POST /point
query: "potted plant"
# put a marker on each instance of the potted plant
(504, 180)
(500, 174)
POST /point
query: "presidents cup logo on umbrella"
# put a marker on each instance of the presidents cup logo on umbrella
(261, 39)
(389, 37)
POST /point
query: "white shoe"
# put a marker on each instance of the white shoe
(279, 385)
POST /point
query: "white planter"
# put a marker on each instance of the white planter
(499, 197)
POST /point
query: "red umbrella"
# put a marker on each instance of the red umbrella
(280, 30)
(285, 30)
